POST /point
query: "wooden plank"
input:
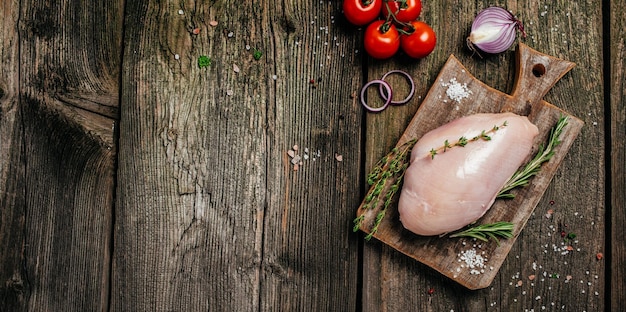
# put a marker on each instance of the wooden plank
(310, 258)
(191, 166)
(212, 215)
(57, 190)
(617, 150)
(13, 286)
(405, 283)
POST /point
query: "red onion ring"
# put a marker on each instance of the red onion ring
(387, 100)
(408, 78)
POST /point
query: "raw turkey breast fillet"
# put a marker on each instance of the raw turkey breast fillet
(454, 188)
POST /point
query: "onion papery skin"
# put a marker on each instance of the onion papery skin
(493, 31)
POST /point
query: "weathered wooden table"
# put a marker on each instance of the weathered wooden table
(132, 179)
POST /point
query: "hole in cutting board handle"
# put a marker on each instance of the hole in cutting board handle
(539, 70)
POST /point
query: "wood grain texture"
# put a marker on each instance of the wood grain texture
(191, 167)
(550, 26)
(211, 212)
(14, 288)
(617, 152)
(201, 209)
(57, 192)
(309, 252)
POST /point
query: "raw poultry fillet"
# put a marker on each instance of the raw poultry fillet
(449, 190)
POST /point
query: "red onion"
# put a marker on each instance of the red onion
(408, 78)
(387, 100)
(494, 30)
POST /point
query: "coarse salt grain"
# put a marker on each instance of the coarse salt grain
(456, 91)
(296, 159)
(473, 261)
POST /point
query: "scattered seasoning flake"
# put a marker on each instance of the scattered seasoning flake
(204, 61)
(599, 256)
(472, 260)
(456, 91)
(296, 159)
(181, 12)
(257, 54)
(531, 277)
(339, 157)
(431, 291)
(177, 56)
(236, 68)
(213, 23)
(291, 153)
(195, 31)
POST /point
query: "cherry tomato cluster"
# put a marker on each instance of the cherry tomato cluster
(399, 28)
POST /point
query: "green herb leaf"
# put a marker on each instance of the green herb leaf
(204, 61)
(385, 180)
(257, 54)
(484, 232)
(484, 135)
(522, 176)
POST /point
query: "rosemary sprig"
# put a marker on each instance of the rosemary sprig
(522, 176)
(484, 135)
(484, 232)
(391, 167)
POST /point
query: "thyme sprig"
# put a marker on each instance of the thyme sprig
(484, 135)
(484, 232)
(522, 176)
(389, 168)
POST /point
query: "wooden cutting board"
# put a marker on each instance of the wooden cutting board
(536, 73)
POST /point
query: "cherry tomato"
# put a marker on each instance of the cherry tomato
(420, 42)
(405, 10)
(382, 40)
(362, 12)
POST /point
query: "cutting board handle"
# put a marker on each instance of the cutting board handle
(536, 74)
